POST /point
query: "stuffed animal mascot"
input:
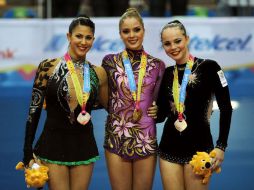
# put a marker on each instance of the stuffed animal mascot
(35, 176)
(202, 165)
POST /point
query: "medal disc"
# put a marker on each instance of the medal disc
(137, 114)
(180, 125)
(83, 117)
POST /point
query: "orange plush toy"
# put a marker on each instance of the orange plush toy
(202, 164)
(36, 176)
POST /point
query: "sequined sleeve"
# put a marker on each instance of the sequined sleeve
(38, 94)
(162, 100)
(222, 95)
(161, 68)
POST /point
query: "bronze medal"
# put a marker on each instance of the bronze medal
(180, 125)
(83, 117)
(137, 114)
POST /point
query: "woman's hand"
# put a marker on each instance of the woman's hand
(34, 160)
(152, 110)
(217, 161)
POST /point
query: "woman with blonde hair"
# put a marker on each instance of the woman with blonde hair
(134, 78)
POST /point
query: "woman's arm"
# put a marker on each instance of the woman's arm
(38, 94)
(222, 95)
(153, 109)
(103, 88)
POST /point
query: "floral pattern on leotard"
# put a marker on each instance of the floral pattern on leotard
(124, 137)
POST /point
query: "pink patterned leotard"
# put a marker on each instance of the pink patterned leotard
(128, 139)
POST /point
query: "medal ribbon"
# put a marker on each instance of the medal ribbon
(142, 71)
(179, 97)
(82, 96)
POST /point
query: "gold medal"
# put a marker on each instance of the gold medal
(136, 93)
(83, 117)
(137, 114)
(180, 125)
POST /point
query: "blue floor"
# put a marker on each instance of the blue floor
(237, 169)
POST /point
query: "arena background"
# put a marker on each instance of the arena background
(24, 43)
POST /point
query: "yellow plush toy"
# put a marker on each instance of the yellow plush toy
(202, 163)
(36, 176)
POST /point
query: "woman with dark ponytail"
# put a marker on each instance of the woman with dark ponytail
(70, 85)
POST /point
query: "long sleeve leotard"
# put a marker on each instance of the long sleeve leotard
(205, 82)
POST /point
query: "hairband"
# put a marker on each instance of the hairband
(78, 18)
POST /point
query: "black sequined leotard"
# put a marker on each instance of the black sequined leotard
(206, 81)
(63, 140)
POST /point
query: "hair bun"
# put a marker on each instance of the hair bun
(131, 9)
(84, 16)
(175, 22)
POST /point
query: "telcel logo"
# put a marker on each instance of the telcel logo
(197, 43)
(221, 43)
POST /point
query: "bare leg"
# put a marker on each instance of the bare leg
(143, 173)
(172, 175)
(120, 172)
(58, 177)
(192, 181)
(80, 176)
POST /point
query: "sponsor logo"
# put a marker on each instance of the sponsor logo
(221, 43)
(197, 43)
(102, 44)
(56, 43)
(7, 54)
